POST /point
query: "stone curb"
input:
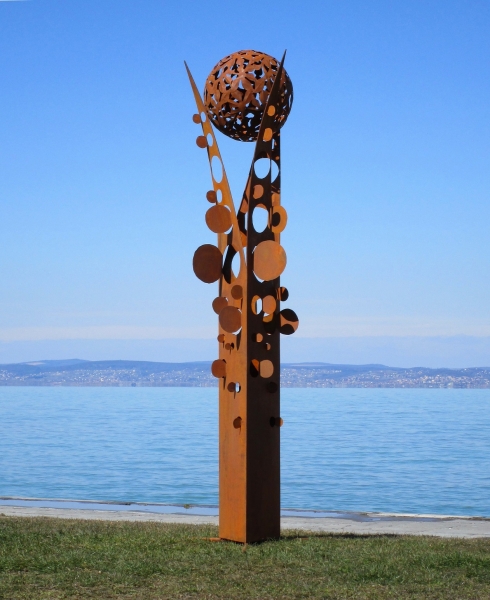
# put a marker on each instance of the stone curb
(392, 524)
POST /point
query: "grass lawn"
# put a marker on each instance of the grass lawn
(55, 558)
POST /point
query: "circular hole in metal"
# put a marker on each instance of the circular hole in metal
(260, 218)
(235, 264)
(217, 169)
(256, 305)
(262, 167)
(254, 367)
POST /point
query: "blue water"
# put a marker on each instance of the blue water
(414, 451)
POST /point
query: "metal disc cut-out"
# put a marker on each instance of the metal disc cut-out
(207, 263)
(218, 368)
(219, 303)
(266, 368)
(269, 304)
(212, 197)
(282, 294)
(230, 319)
(218, 218)
(279, 219)
(237, 292)
(289, 321)
(202, 142)
(258, 191)
(268, 134)
(269, 260)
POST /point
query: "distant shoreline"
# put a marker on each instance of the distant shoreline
(304, 387)
(121, 373)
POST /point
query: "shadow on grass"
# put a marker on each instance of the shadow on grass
(288, 537)
(302, 535)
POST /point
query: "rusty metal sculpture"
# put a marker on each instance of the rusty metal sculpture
(248, 97)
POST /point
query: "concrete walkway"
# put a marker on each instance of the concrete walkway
(356, 523)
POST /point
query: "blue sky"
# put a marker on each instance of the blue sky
(385, 176)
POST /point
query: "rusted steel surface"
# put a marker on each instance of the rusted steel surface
(248, 97)
(238, 89)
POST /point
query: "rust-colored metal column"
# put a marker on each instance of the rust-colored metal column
(248, 96)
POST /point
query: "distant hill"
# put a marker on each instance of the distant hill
(76, 372)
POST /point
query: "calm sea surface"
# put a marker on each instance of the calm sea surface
(342, 449)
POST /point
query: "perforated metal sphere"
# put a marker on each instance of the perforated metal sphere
(237, 90)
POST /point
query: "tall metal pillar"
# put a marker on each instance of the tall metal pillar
(248, 96)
